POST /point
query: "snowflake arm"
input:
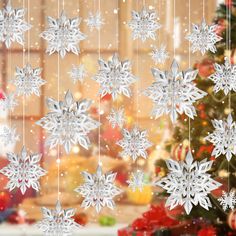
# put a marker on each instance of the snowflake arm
(94, 21)
(8, 135)
(116, 118)
(159, 55)
(8, 103)
(228, 200)
(137, 181)
(78, 73)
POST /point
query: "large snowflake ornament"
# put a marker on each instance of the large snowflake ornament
(115, 77)
(63, 35)
(12, 25)
(227, 200)
(134, 143)
(98, 189)
(137, 181)
(174, 92)
(188, 183)
(94, 21)
(224, 77)
(8, 102)
(78, 73)
(203, 37)
(159, 55)
(23, 171)
(58, 222)
(223, 137)
(68, 122)
(116, 117)
(144, 24)
(8, 135)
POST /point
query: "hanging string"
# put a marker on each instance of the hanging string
(23, 97)
(203, 9)
(174, 31)
(28, 19)
(99, 101)
(189, 65)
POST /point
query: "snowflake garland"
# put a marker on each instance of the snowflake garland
(23, 171)
(8, 135)
(159, 55)
(116, 118)
(94, 21)
(78, 73)
(98, 189)
(137, 181)
(174, 92)
(227, 200)
(8, 102)
(188, 183)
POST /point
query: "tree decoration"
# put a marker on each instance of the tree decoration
(188, 183)
(68, 122)
(94, 21)
(8, 103)
(98, 189)
(116, 118)
(159, 55)
(8, 135)
(228, 200)
(78, 73)
(136, 181)
(63, 35)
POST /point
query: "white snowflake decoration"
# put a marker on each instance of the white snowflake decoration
(28, 81)
(68, 122)
(144, 24)
(224, 77)
(115, 77)
(8, 103)
(188, 183)
(58, 222)
(223, 137)
(63, 35)
(78, 73)
(203, 37)
(23, 171)
(174, 92)
(8, 135)
(227, 200)
(159, 55)
(116, 118)
(98, 189)
(94, 21)
(134, 143)
(12, 25)
(137, 181)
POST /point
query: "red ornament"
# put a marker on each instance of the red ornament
(81, 218)
(204, 149)
(107, 97)
(232, 219)
(205, 68)
(207, 231)
(5, 199)
(2, 97)
(17, 217)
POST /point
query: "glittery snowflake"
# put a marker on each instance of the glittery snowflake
(94, 21)
(58, 222)
(203, 37)
(159, 55)
(188, 183)
(63, 35)
(98, 189)
(227, 200)
(224, 77)
(68, 122)
(12, 25)
(174, 92)
(28, 81)
(78, 73)
(223, 137)
(144, 24)
(115, 77)
(23, 171)
(8, 103)
(8, 135)
(134, 143)
(137, 181)
(116, 118)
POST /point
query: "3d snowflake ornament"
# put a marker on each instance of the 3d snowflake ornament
(98, 190)
(134, 143)
(174, 92)
(188, 183)
(223, 138)
(224, 77)
(116, 118)
(159, 55)
(8, 135)
(68, 122)
(23, 171)
(8, 102)
(94, 21)
(12, 25)
(115, 77)
(144, 24)
(78, 73)
(203, 37)
(63, 35)
(58, 222)
(137, 181)
(228, 200)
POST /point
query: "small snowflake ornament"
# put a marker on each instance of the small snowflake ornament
(137, 181)
(144, 24)
(223, 138)
(94, 21)
(227, 200)
(58, 222)
(134, 143)
(8, 103)
(8, 135)
(203, 37)
(114, 77)
(116, 118)
(78, 73)
(63, 35)
(174, 92)
(98, 189)
(23, 171)
(12, 25)
(159, 55)
(188, 183)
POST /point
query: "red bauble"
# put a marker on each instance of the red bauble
(5, 199)
(107, 97)
(205, 68)
(81, 218)
(16, 218)
(175, 213)
(207, 231)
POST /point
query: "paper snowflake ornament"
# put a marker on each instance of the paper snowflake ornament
(8, 103)
(23, 171)
(137, 181)
(203, 37)
(28, 81)
(58, 222)
(98, 190)
(116, 118)
(68, 122)
(8, 135)
(159, 55)
(174, 92)
(224, 77)
(12, 25)
(114, 77)
(134, 143)
(78, 73)
(63, 35)
(188, 183)
(223, 138)
(94, 21)
(144, 24)
(227, 200)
